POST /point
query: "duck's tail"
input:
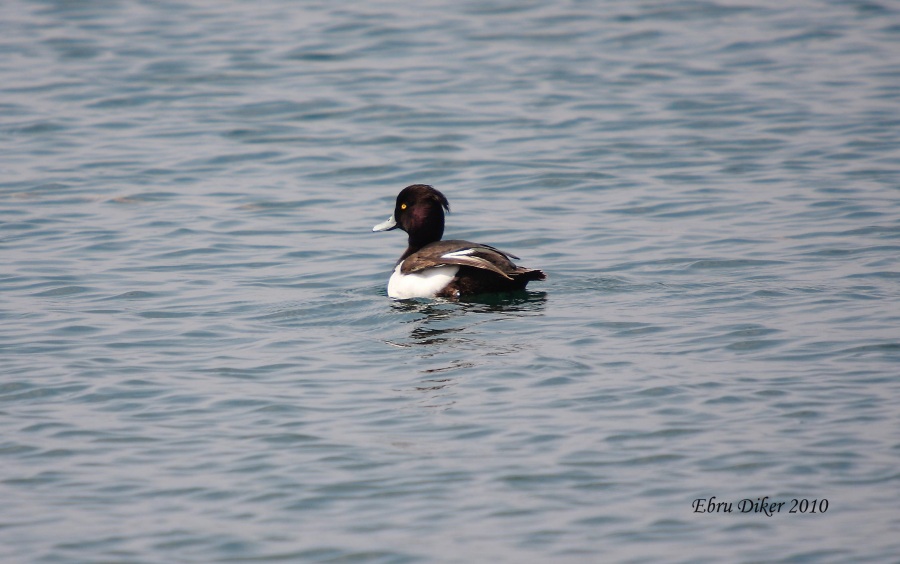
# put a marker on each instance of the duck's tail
(526, 275)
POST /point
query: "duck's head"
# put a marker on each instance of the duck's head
(420, 212)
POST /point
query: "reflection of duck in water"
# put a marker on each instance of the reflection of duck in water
(445, 269)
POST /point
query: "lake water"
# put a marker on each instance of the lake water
(200, 362)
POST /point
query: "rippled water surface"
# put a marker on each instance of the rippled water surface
(200, 363)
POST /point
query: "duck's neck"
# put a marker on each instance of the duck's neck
(416, 243)
(427, 230)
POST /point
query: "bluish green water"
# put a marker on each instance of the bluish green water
(200, 363)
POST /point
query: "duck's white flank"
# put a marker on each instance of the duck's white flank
(423, 284)
(459, 253)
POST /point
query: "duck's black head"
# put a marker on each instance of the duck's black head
(420, 212)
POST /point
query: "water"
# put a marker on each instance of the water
(199, 361)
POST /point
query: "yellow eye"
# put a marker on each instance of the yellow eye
(402, 206)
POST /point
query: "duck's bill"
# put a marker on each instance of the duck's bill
(386, 225)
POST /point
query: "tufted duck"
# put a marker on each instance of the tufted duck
(445, 269)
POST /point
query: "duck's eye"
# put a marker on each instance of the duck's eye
(402, 206)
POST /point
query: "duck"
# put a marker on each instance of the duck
(432, 268)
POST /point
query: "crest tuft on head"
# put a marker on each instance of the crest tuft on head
(426, 192)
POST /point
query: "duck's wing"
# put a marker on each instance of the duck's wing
(460, 253)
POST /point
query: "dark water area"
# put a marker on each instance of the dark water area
(199, 361)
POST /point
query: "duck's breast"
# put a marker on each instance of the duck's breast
(423, 284)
